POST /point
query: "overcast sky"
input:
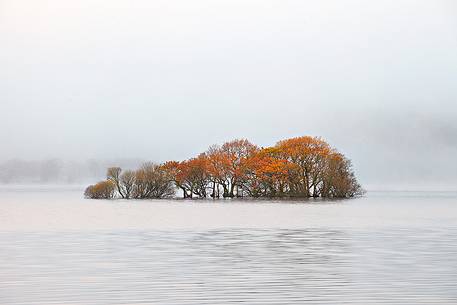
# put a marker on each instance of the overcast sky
(162, 80)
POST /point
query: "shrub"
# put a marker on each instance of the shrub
(101, 190)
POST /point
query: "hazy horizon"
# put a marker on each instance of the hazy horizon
(164, 80)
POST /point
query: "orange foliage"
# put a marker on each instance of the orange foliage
(100, 190)
(297, 167)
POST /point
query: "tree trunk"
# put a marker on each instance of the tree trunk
(214, 190)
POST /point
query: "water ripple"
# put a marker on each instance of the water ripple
(227, 266)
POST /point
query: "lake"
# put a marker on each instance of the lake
(385, 248)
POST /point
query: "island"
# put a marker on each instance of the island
(301, 167)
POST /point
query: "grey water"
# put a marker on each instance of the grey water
(385, 248)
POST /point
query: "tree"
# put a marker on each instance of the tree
(339, 179)
(194, 176)
(308, 154)
(231, 160)
(101, 190)
(191, 176)
(152, 181)
(216, 170)
(50, 170)
(113, 174)
(173, 171)
(267, 174)
(127, 183)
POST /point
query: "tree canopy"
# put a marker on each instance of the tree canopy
(297, 167)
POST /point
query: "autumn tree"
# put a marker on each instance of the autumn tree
(174, 173)
(230, 160)
(267, 174)
(194, 176)
(308, 155)
(191, 176)
(339, 179)
(216, 170)
(101, 190)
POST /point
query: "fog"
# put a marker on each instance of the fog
(159, 80)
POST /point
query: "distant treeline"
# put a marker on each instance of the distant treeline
(298, 167)
(57, 171)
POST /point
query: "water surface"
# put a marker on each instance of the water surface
(386, 248)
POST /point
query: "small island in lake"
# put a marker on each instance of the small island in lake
(301, 167)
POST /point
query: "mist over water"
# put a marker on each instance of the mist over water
(163, 80)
